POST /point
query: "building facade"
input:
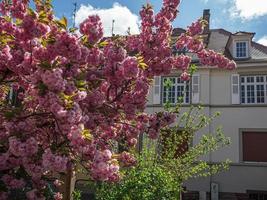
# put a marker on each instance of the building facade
(241, 97)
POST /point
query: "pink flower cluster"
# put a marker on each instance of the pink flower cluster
(53, 80)
(196, 28)
(18, 148)
(192, 44)
(92, 27)
(54, 162)
(5, 57)
(182, 62)
(17, 8)
(211, 58)
(127, 159)
(12, 182)
(130, 67)
(104, 168)
(67, 46)
(158, 121)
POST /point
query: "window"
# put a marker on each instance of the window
(253, 89)
(175, 144)
(175, 90)
(257, 195)
(177, 52)
(254, 146)
(241, 49)
(87, 192)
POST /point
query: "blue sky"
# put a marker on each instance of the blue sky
(232, 15)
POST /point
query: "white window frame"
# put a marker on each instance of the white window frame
(235, 48)
(255, 83)
(176, 84)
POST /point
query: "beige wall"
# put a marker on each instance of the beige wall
(215, 95)
(238, 179)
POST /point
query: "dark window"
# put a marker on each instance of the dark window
(175, 144)
(87, 192)
(254, 146)
(257, 195)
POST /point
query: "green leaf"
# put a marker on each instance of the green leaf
(62, 23)
(6, 38)
(86, 133)
(42, 15)
(31, 12)
(168, 83)
(143, 66)
(7, 18)
(103, 44)
(42, 88)
(192, 69)
(72, 30)
(51, 40)
(9, 115)
(45, 65)
(80, 83)
(18, 22)
(43, 18)
(84, 39)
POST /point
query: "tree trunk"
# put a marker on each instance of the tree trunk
(67, 187)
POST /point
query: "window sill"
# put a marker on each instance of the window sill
(253, 164)
(253, 104)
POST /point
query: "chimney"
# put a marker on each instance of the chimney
(206, 16)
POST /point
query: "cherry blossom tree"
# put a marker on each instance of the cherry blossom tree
(78, 94)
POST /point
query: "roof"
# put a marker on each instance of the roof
(219, 41)
(178, 31)
(243, 33)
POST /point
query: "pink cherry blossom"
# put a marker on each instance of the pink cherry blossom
(79, 94)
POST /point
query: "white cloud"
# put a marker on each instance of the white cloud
(263, 40)
(123, 17)
(248, 9)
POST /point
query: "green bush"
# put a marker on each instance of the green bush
(164, 165)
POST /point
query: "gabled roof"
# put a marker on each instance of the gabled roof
(218, 40)
(243, 33)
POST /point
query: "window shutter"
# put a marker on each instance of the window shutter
(254, 146)
(235, 89)
(157, 90)
(195, 88)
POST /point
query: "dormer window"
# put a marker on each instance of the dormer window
(241, 49)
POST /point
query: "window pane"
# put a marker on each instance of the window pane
(180, 93)
(235, 79)
(169, 90)
(175, 90)
(235, 89)
(187, 96)
(241, 49)
(243, 94)
(260, 94)
(260, 79)
(250, 94)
